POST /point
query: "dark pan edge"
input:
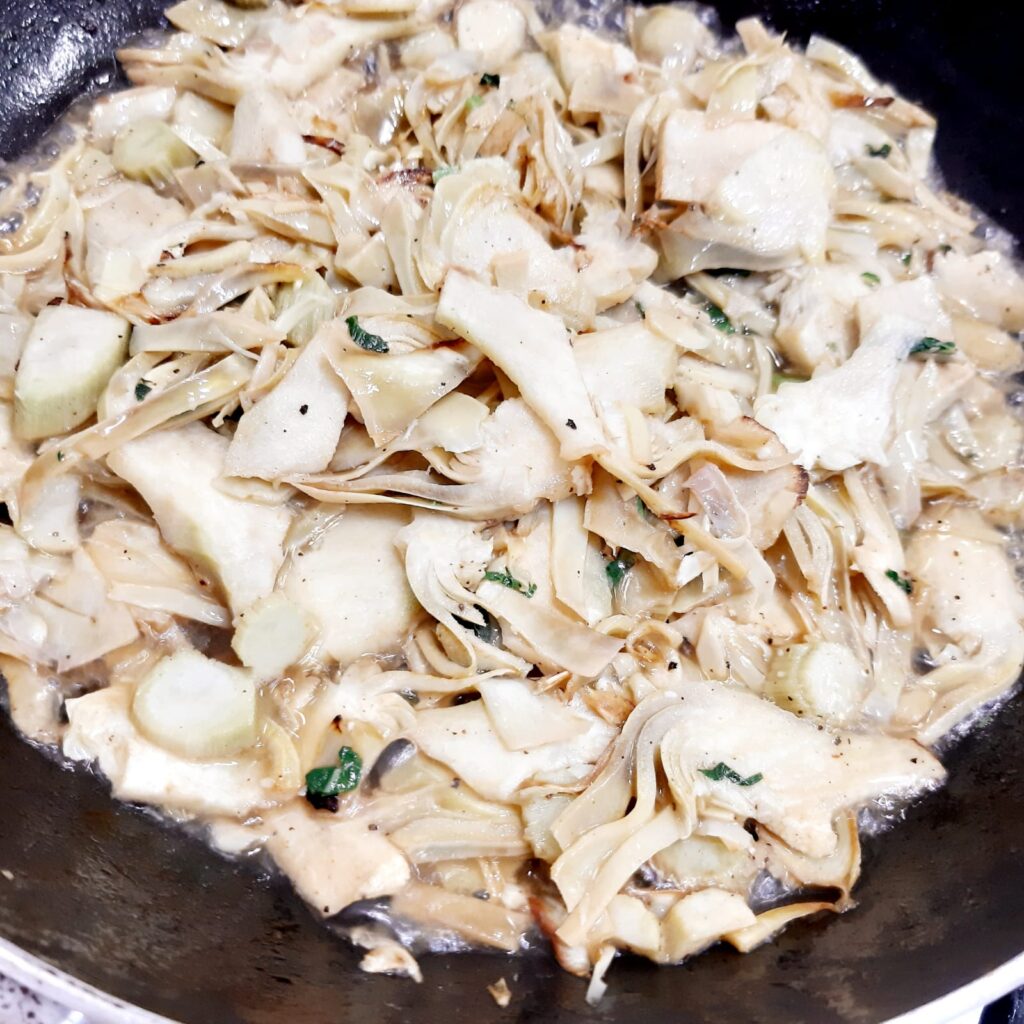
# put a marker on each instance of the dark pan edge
(963, 68)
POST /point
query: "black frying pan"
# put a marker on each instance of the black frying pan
(145, 912)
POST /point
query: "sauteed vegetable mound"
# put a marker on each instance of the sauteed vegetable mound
(533, 480)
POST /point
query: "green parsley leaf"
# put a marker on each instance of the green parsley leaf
(364, 339)
(473, 102)
(871, 279)
(489, 79)
(718, 318)
(640, 309)
(944, 248)
(60, 456)
(142, 389)
(330, 781)
(441, 172)
(882, 151)
(324, 781)
(905, 258)
(903, 582)
(506, 579)
(722, 771)
(932, 347)
(351, 768)
(617, 568)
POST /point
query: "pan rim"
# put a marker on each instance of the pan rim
(100, 1007)
(970, 998)
(51, 982)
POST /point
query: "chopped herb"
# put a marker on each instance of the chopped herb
(325, 781)
(933, 347)
(351, 767)
(905, 259)
(489, 631)
(641, 508)
(723, 771)
(489, 79)
(364, 339)
(882, 151)
(409, 696)
(779, 378)
(506, 579)
(945, 249)
(870, 278)
(142, 389)
(617, 568)
(60, 456)
(441, 172)
(473, 102)
(640, 309)
(903, 582)
(719, 319)
(330, 781)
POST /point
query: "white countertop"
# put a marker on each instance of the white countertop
(19, 1005)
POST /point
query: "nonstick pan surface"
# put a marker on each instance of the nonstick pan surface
(144, 911)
